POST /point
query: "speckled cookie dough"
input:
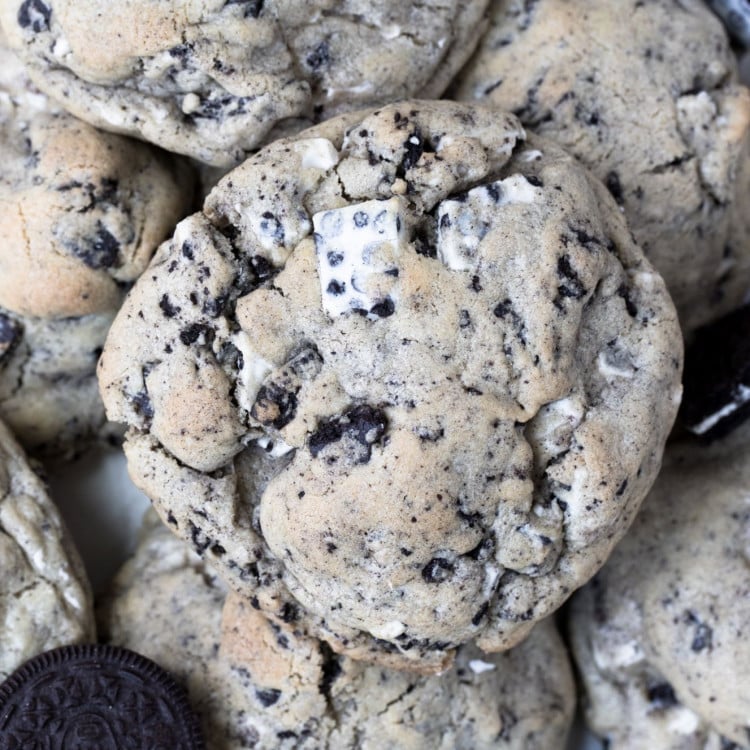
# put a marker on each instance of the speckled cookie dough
(405, 384)
(81, 213)
(660, 634)
(646, 95)
(214, 78)
(269, 687)
(45, 599)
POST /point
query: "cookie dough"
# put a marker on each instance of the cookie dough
(660, 635)
(260, 685)
(214, 78)
(409, 381)
(81, 213)
(646, 95)
(45, 599)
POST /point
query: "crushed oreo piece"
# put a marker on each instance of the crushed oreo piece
(717, 376)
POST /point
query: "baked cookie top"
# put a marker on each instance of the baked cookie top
(45, 599)
(660, 634)
(406, 376)
(260, 685)
(212, 78)
(81, 211)
(646, 95)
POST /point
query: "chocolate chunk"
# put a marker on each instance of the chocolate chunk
(10, 334)
(717, 376)
(437, 570)
(414, 148)
(99, 251)
(365, 425)
(268, 697)
(34, 14)
(320, 57)
(95, 696)
(662, 695)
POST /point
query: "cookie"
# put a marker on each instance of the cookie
(81, 213)
(213, 79)
(646, 95)
(95, 696)
(660, 635)
(45, 599)
(410, 384)
(261, 686)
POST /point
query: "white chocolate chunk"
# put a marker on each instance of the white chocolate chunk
(253, 372)
(391, 629)
(320, 153)
(358, 248)
(274, 447)
(462, 224)
(478, 666)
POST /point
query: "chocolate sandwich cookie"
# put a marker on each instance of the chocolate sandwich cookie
(645, 94)
(717, 376)
(213, 79)
(45, 600)
(95, 697)
(660, 634)
(81, 213)
(270, 687)
(406, 383)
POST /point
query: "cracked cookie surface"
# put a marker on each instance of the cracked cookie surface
(81, 213)
(212, 78)
(660, 634)
(406, 378)
(259, 685)
(45, 599)
(646, 95)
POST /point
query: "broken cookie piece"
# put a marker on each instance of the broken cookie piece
(427, 418)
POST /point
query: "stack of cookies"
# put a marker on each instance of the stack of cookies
(396, 371)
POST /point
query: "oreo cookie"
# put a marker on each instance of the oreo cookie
(717, 376)
(95, 698)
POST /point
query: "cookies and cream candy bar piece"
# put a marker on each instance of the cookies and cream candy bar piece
(358, 249)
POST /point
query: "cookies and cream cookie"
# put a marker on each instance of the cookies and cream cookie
(660, 634)
(45, 599)
(81, 213)
(409, 381)
(213, 78)
(646, 95)
(261, 685)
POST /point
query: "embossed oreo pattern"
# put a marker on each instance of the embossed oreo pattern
(85, 697)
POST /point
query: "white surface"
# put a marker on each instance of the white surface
(103, 510)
